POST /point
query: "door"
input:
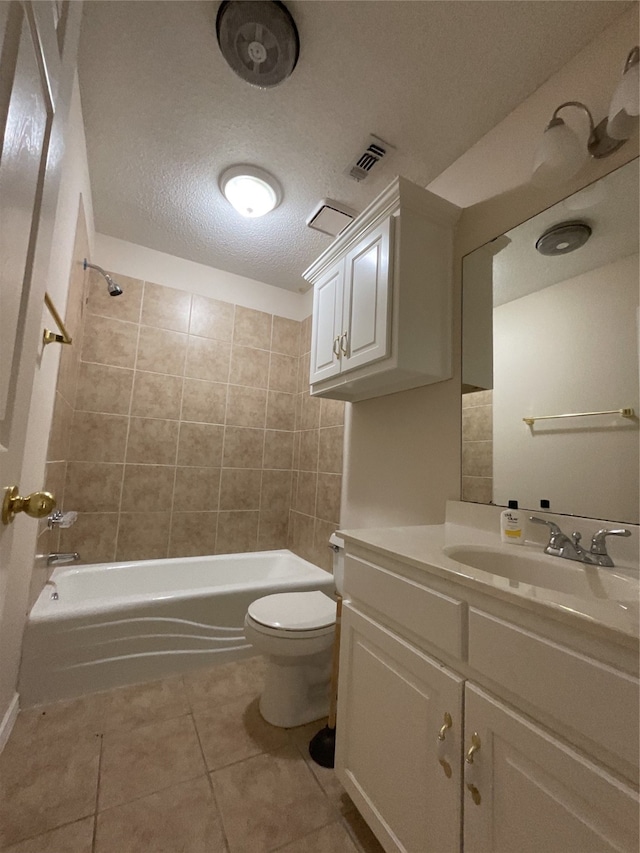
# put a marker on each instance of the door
(327, 324)
(393, 702)
(534, 793)
(38, 43)
(367, 299)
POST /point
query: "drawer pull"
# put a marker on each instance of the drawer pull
(442, 746)
(470, 769)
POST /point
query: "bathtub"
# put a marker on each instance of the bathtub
(114, 624)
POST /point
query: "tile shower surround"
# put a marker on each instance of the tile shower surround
(477, 446)
(187, 414)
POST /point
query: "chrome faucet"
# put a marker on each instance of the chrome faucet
(569, 548)
(59, 559)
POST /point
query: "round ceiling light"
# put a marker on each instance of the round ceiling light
(252, 191)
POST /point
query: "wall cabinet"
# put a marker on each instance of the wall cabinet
(382, 298)
(407, 720)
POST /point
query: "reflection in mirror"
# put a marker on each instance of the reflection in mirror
(555, 334)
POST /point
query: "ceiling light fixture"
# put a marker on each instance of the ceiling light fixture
(562, 153)
(251, 190)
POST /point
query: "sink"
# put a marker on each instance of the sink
(538, 569)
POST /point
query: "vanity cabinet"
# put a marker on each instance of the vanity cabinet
(423, 659)
(382, 298)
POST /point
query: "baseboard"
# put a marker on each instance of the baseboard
(9, 719)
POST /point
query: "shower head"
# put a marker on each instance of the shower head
(114, 289)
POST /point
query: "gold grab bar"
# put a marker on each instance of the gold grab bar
(49, 337)
(625, 413)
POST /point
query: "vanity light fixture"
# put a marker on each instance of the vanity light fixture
(562, 153)
(250, 190)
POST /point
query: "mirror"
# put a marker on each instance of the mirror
(550, 358)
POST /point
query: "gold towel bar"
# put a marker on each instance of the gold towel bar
(625, 413)
(49, 337)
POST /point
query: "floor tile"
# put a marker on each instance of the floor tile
(60, 719)
(148, 759)
(73, 838)
(47, 783)
(180, 819)
(269, 801)
(326, 776)
(235, 731)
(330, 839)
(142, 704)
(362, 836)
(225, 682)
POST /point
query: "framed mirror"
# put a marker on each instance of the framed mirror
(550, 358)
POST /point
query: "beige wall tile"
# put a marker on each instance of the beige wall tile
(477, 489)
(278, 449)
(309, 411)
(109, 341)
(211, 318)
(196, 489)
(252, 328)
(246, 406)
(237, 532)
(143, 536)
(301, 534)
(200, 445)
(156, 396)
(273, 531)
(331, 412)
(104, 389)
(477, 458)
(330, 450)
(281, 410)
(147, 488)
(61, 426)
(161, 351)
(306, 494)
(93, 536)
(309, 450)
(193, 534)
(283, 373)
(322, 555)
(181, 818)
(477, 398)
(152, 441)
(96, 437)
(93, 486)
(275, 492)
(243, 447)
(69, 366)
(249, 366)
(54, 481)
(204, 402)
(285, 336)
(124, 307)
(207, 359)
(165, 307)
(477, 424)
(305, 335)
(303, 373)
(328, 498)
(240, 489)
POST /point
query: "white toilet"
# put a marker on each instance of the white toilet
(295, 631)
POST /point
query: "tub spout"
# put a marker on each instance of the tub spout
(54, 594)
(59, 559)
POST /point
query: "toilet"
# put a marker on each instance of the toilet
(295, 631)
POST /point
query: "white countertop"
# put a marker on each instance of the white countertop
(422, 547)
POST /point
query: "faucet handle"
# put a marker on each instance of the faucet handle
(554, 530)
(598, 543)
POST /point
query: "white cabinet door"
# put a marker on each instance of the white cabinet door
(392, 704)
(327, 324)
(536, 793)
(366, 311)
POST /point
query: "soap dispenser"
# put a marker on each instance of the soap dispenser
(512, 524)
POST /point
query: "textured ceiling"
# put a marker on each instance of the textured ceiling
(164, 113)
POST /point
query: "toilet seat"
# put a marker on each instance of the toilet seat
(293, 613)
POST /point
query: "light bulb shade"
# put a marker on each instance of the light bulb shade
(250, 190)
(624, 109)
(560, 155)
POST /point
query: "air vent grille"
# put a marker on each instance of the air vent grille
(373, 153)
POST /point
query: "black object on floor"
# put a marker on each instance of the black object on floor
(322, 747)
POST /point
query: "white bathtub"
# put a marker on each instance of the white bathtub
(125, 623)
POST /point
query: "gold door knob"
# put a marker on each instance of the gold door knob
(37, 504)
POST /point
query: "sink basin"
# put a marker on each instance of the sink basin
(538, 569)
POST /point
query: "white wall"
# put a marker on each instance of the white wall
(119, 256)
(569, 348)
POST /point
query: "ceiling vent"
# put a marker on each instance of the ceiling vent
(373, 153)
(330, 217)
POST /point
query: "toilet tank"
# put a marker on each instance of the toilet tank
(336, 543)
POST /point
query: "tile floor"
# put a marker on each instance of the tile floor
(184, 765)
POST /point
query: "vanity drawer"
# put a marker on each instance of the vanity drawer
(591, 698)
(434, 617)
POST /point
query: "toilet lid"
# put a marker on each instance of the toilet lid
(294, 611)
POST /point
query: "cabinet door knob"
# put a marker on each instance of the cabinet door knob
(37, 504)
(442, 746)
